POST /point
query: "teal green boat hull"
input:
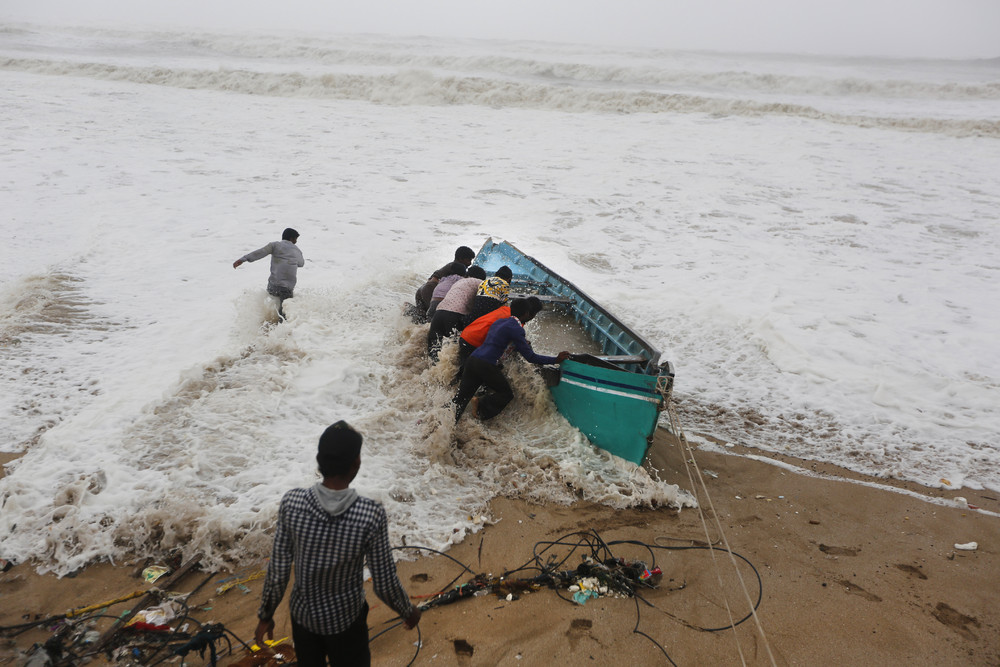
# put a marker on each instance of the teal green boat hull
(613, 398)
(615, 409)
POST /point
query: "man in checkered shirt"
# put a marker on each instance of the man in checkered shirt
(327, 532)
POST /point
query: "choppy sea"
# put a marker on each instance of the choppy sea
(812, 241)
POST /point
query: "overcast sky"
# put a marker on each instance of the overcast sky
(921, 28)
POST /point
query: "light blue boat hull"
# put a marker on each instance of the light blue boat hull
(614, 398)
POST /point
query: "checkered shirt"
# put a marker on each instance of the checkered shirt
(329, 554)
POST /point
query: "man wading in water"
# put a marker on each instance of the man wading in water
(285, 262)
(483, 366)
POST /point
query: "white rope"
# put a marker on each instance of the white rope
(689, 462)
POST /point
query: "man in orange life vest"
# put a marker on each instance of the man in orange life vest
(483, 365)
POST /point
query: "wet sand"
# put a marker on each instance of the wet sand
(850, 573)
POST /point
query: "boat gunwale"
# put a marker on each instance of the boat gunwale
(651, 367)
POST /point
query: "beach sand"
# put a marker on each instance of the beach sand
(850, 573)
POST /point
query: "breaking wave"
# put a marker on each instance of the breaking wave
(421, 87)
(843, 77)
(201, 471)
(41, 317)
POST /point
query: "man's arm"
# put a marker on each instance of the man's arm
(256, 254)
(441, 273)
(278, 571)
(385, 581)
(521, 344)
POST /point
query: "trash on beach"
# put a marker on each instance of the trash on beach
(270, 643)
(154, 572)
(968, 546)
(652, 576)
(613, 577)
(233, 582)
(711, 473)
(158, 615)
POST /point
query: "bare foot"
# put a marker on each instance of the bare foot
(474, 407)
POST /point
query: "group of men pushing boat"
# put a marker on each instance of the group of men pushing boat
(460, 297)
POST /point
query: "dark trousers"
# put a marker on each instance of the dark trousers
(464, 350)
(348, 648)
(443, 324)
(281, 293)
(480, 373)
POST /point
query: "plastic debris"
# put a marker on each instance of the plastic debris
(154, 572)
(651, 576)
(40, 658)
(968, 546)
(160, 614)
(614, 577)
(270, 643)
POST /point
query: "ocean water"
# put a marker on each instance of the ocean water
(812, 241)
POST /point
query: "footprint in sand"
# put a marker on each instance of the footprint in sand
(578, 629)
(838, 551)
(955, 620)
(854, 589)
(463, 650)
(911, 570)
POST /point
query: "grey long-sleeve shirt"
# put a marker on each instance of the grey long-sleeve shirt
(286, 258)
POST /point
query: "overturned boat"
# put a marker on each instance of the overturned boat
(615, 392)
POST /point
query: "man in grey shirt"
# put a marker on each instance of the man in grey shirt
(285, 261)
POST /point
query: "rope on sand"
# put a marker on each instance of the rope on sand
(691, 464)
(233, 583)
